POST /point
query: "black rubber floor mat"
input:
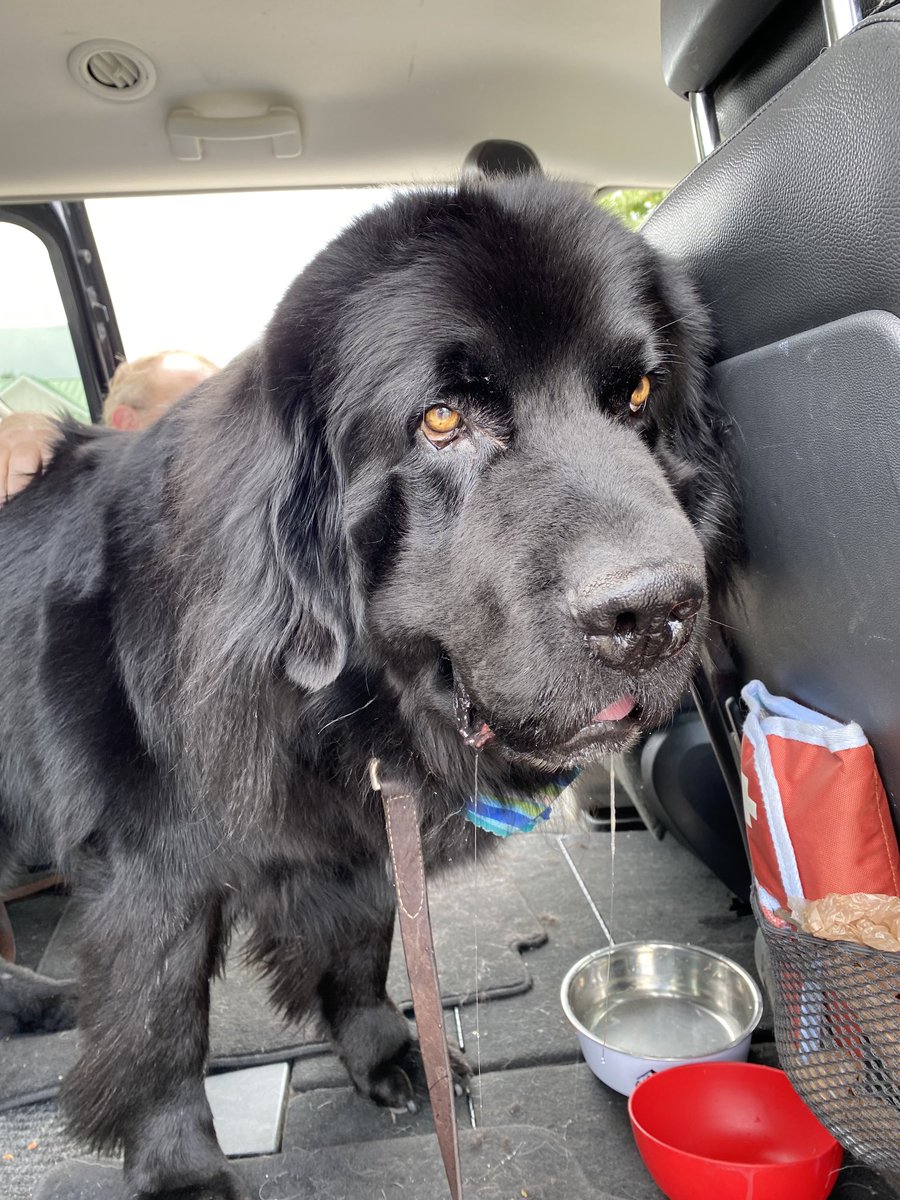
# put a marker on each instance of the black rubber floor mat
(587, 1122)
(244, 1031)
(341, 1147)
(511, 1161)
(662, 894)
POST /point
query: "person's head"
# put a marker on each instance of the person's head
(142, 390)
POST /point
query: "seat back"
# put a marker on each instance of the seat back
(792, 228)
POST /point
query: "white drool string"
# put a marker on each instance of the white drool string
(477, 983)
(612, 900)
(612, 844)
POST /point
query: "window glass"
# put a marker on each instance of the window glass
(631, 205)
(203, 273)
(38, 368)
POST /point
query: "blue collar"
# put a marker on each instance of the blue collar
(515, 813)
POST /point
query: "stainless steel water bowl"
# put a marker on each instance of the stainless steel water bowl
(640, 1007)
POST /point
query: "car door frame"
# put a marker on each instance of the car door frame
(64, 229)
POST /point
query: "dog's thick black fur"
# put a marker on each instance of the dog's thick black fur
(210, 628)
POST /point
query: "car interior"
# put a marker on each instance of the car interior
(771, 126)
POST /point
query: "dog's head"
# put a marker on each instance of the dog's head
(506, 392)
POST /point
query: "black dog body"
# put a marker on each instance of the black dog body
(210, 628)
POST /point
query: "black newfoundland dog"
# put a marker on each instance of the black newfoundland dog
(464, 503)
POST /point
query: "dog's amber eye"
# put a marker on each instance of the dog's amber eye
(440, 423)
(640, 395)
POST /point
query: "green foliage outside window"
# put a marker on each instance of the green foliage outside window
(631, 205)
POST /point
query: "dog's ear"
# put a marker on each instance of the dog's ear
(303, 359)
(307, 520)
(256, 510)
(317, 656)
(309, 535)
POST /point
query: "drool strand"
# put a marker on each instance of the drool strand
(612, 899)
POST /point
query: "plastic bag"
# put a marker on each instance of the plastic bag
(868, 920)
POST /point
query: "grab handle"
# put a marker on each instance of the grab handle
(188, 131)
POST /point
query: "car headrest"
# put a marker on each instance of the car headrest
(498, 156)
(700, 37)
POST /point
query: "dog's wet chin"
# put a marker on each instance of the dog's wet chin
(613, 727)
(591, 742)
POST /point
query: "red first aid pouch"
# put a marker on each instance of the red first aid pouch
(817, 816)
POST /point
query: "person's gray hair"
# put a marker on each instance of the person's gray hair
(131, 380)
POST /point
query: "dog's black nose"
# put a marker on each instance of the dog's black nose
(639, 617)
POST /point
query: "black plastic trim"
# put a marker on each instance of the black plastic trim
(65, 230)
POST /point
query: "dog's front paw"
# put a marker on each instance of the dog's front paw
(224, 1186)
(384, 1060)
(391, 1082)
(399, 1082)
(175, 1156)
(222, 1183)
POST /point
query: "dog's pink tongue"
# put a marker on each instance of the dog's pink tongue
(616, 711)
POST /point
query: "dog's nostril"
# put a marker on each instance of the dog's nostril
(626, 623)
(678, 634)
(686, 609)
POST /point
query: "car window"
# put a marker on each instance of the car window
(38, 367)
(204, 272)
(631, 205)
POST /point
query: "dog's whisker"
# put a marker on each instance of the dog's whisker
(345, 716)
(669, 324)
(725, 625)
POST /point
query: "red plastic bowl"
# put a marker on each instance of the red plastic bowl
(731, 1131)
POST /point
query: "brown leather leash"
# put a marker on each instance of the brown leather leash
(401, 817)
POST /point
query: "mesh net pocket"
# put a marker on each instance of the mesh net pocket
(837, 1028)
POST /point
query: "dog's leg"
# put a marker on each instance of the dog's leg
(372, 1037)
(31, 1003)
(341, 957)
(148, 949)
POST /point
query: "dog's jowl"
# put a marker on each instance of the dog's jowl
(467, 497)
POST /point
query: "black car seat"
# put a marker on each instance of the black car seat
(791, 225)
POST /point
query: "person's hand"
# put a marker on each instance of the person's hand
(26, 448)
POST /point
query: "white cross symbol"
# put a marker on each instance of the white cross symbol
(750, 810)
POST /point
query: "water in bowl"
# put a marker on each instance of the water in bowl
(660, 1025)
